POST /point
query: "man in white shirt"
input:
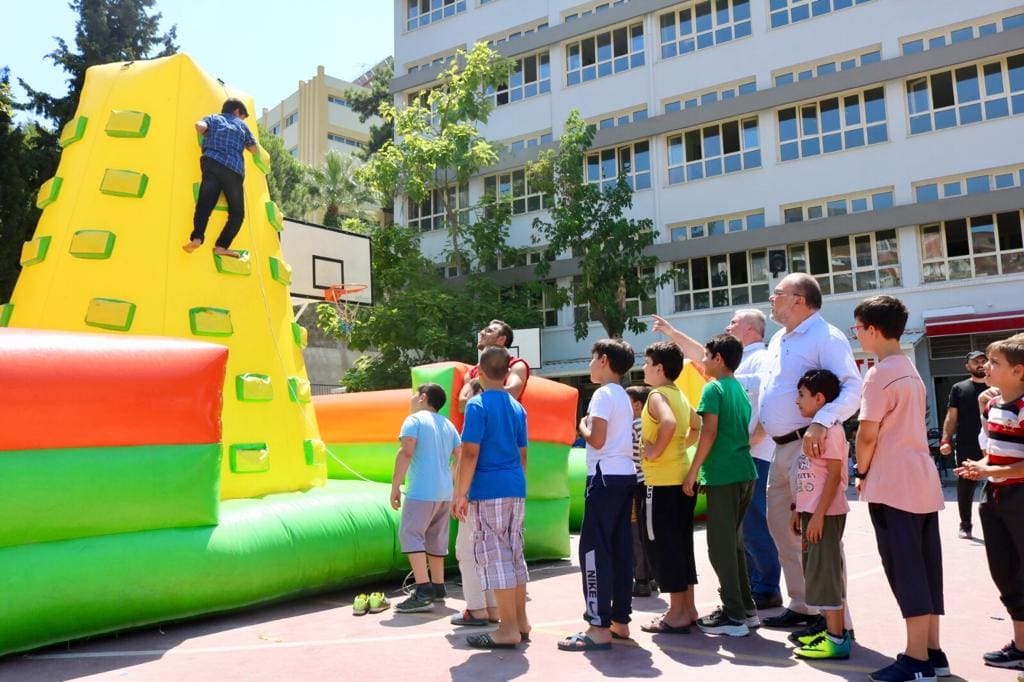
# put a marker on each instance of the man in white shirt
(747, 325)
(806, 342)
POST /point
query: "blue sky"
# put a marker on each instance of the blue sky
(259, 46)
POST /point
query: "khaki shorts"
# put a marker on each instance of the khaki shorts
(424, 527)
(824, 564)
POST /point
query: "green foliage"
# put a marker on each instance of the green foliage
(590, 224)
(367, 103)
(288, 180)
(335, 190)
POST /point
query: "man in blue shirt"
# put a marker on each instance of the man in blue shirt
(225, 135)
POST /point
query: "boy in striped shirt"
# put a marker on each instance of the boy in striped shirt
(1002, 506)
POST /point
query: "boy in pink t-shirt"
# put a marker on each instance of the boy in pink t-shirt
(820, 518)
(898, 480)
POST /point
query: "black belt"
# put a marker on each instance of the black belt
(790, 437)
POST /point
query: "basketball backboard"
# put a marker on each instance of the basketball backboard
(321, 257)
(526, 345)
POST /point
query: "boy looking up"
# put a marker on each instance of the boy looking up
(723, 452)
(491, 494)
(606, 542)
(428, 441)
(898, 480)
(820, 518)
(1002, 506)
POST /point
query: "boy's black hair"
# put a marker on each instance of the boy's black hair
(638, 394)
(887, 314)
(668, 355)
(1012, 349)
(505, 331)
(728, 347)
(619, 353)
(232, 105)
(494, 363)
(820, 381)
(436, 396)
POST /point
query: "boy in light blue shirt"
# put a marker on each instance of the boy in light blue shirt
(429, 441)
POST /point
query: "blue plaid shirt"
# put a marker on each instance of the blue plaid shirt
(226, 138)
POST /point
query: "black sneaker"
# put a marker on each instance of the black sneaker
(965, 532)
(440, 593)
(905, 669)
(641, 588)
(421, 599)
(937, 657)
(718, 623)
(1007, 657)
(800, 636)
(790, 619)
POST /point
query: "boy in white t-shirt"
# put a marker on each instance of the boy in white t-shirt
(606, 543)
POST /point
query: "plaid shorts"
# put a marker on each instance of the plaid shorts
(498, 542)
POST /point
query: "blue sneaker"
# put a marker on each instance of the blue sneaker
(905, 669)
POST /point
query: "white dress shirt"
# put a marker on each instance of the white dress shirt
(814, 344)
(749, 376)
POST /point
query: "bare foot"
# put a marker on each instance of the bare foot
(221, 251)
(192, 246)
(619, 630)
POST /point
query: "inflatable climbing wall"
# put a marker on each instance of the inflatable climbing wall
(106, 257)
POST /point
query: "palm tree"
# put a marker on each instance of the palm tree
(335, 189)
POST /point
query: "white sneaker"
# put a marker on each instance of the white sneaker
(718, 623)
(752, 621)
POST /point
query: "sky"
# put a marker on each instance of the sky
(261, 47)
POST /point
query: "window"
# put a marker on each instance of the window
(830, 65)
(543, 300)
(967, 94)
(832, 125)
(514, 187)
(859, 262)
(979, 246)
(618, 119)
(434, 61)
(714, 150)
(957, 33)
(732, 279)
(972, 183)
(580, 306)
(785, 12)
(429, 214)
(276, 130)
(337, 100)
(529, 77)
(719, 92)
(341, 139)
(631, 160)
(599, 7)
(529, 142)
(422, 12)
(703, 24)
(642, 303)
(291, 120)
(449, 270)
(712, 227)
(871, 200)
(294, 151)
(604, 54)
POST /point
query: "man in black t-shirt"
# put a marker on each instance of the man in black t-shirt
(963, 419)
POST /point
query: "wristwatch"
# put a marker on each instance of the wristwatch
(858, 474)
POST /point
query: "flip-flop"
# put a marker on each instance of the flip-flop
(582, 642)
(484, 641)
(467, 618)
(660, 627)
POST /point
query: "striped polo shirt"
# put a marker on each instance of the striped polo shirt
(1004, 435)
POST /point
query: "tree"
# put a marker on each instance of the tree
(438, 147)
(367, 103)
(288, 180)
(21, 173)
(106, 31)
(589, 223)
(334, 189)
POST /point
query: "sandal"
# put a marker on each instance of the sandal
(582, 642)
(660, 627)
(484, 641)
(467, 618)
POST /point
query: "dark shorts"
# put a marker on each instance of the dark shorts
(911, 554)
(824, 567)
(667, 513)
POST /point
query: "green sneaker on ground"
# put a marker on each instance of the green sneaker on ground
(378, 602)
(824, 647)
(360, 605)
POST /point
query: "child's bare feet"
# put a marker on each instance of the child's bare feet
(221, 251)
(192, 246)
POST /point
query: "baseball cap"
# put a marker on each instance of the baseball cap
(976, 354)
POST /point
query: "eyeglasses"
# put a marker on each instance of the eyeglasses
(778, 293)
(854, 328)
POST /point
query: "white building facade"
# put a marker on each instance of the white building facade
(875, 144)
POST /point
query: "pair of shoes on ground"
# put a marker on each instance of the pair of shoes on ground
(1007, 657)
(375, 602)
(719, 623)
(907, 669)
(423, 598)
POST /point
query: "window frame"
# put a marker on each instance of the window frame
(827, 279)
(634, 57)
(749, 157)
(520, 204)
(844, 133)
(934, 265)
(634, 176)
(714, 33)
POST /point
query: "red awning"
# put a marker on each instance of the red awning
(975, 323)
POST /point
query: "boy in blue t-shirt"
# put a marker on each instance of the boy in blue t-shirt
(491, 494)
(428, 440)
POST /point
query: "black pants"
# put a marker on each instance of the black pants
(606, 549)
(1001, 512)
(911, 552)
(218, 178)
(666, 526)
(965, 488)
(642, 569)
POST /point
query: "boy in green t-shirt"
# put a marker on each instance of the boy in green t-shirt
(723, 452)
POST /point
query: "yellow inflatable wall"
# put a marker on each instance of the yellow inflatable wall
(106, 257)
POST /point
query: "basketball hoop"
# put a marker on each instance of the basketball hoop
(339, 294)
